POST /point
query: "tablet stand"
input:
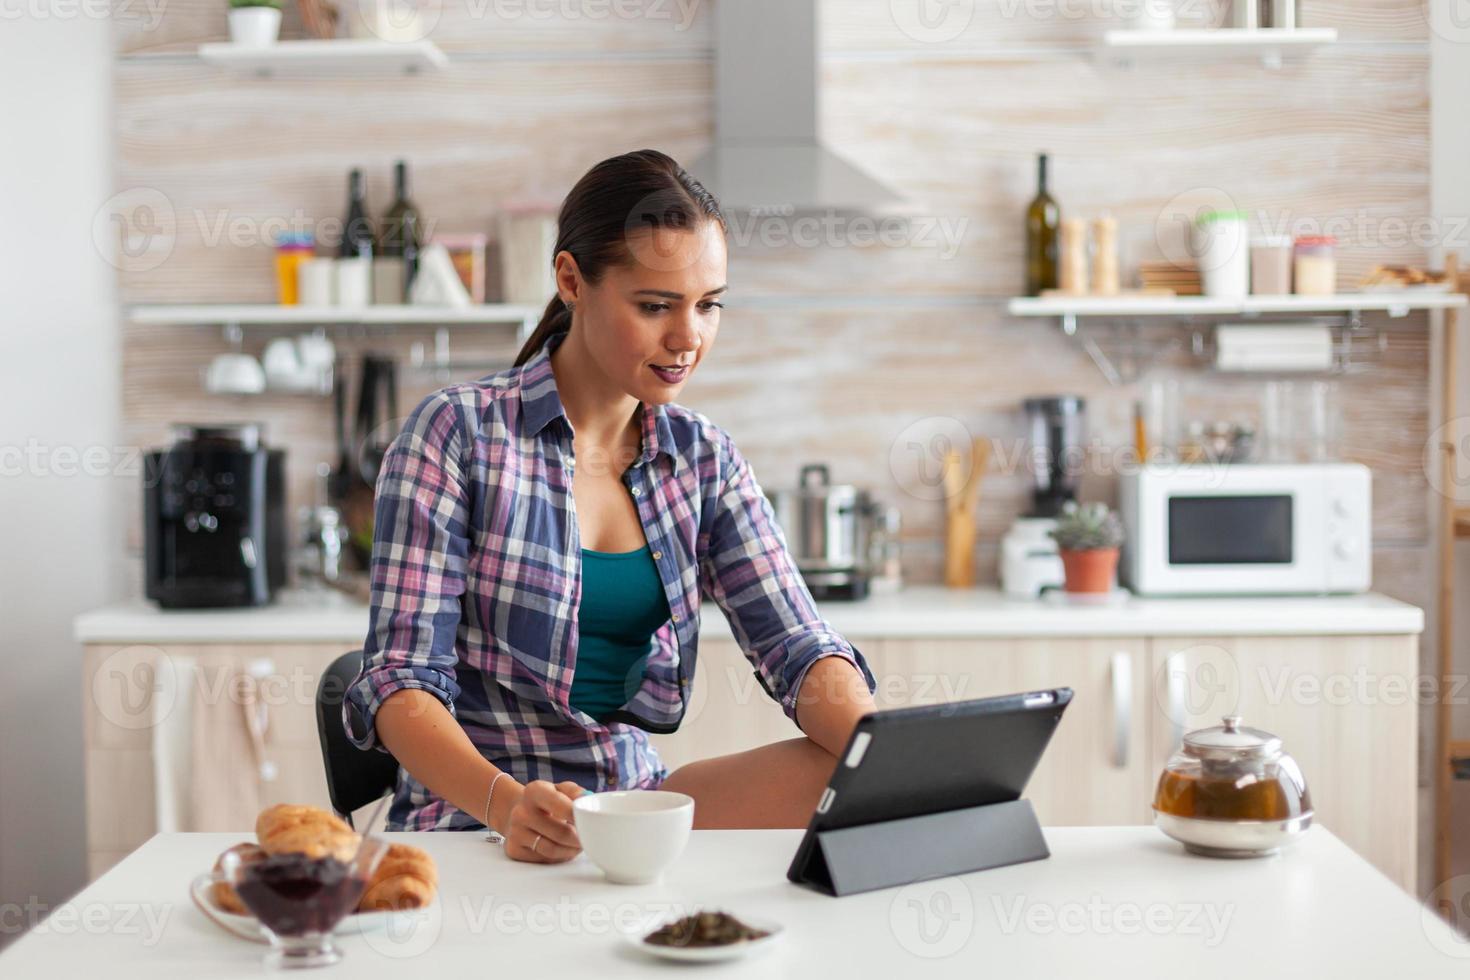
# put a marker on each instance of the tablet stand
(934, 845)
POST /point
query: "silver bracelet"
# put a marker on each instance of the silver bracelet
(491, 834)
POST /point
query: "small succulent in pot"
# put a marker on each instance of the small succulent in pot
(1088, 537)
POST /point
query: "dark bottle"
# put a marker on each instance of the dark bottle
(401, 235)
(357, 232)
(1043, 219)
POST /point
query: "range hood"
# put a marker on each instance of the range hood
(767, 157)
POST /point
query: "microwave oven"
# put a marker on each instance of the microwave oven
(1240, 529)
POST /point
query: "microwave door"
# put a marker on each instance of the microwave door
(1240, 541)
(1253, 529)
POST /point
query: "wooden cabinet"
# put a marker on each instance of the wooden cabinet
(144, 704)
(1096, 770)
(1344, 706)
(728, 711)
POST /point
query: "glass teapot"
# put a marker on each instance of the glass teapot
(1231, 790)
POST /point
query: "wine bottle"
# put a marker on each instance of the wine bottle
(1043, 218)
(357, 232)
(401, 234)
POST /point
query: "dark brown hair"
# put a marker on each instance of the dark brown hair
(641, 190)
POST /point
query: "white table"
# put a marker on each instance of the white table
(1119, 902)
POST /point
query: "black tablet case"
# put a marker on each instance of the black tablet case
(937, 793)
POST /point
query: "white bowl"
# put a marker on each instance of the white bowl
(633, 835)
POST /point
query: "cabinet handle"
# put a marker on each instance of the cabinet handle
(1122, 671)
(1175, 679)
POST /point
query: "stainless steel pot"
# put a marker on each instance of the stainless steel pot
(836, 532)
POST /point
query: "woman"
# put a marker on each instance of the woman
(542, 540)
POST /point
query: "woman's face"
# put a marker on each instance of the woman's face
(649, 323)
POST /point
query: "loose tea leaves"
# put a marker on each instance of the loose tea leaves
(704, 929)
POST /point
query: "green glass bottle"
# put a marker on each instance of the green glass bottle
(1043, 220)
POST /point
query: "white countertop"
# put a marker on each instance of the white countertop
(1111, 902)
(922, 611)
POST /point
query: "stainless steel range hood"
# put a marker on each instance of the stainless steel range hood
(767, 156)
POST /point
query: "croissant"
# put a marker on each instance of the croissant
(405, 879)
(222, 891)
(288, 828)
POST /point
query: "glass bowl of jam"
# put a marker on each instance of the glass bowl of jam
(1231, 791)
(299, 900)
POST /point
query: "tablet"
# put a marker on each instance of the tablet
(909, 762)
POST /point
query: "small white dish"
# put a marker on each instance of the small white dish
(248, 927)
(705, 954)
(633, 835)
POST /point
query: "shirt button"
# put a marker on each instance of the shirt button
(571, 461)
(675, 617)
(637, 491)
(657, 555)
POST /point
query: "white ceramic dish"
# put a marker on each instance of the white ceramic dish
(248, 927)
(706, 954)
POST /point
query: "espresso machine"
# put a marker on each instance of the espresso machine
(214, 507)
(1057, 431)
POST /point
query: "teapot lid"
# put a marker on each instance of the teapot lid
(1231, 740)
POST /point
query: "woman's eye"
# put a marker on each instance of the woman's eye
(654, 307)
(711, 305)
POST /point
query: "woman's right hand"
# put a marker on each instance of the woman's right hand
(538, 826)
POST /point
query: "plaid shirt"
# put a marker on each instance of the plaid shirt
(476, 577)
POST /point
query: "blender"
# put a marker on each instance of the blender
(1029, 562)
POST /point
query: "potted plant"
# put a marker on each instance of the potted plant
(1088, 537)
(255, 23)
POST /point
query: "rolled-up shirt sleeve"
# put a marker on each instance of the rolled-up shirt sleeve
(748, 571)
(418, 569)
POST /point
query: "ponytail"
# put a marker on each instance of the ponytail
(556, 319)
(620, 196)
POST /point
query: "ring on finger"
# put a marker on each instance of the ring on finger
(535, 843)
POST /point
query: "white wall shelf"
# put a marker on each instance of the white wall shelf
(1268, 44)
(327, 57)
(270, 314)
(1067, 310)
(1395, 304)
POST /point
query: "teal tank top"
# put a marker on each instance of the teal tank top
(623, 604)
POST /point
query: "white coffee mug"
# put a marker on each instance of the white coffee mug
(633, 835)
(234, 373)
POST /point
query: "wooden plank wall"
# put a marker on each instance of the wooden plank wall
(833, 352)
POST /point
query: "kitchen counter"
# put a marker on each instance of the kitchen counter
(920, 611)
(1111, 902)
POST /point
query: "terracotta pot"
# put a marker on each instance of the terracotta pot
(1091, 570)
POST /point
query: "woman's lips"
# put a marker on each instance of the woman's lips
(671, 375)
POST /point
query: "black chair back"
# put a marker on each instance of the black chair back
(354, 778)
